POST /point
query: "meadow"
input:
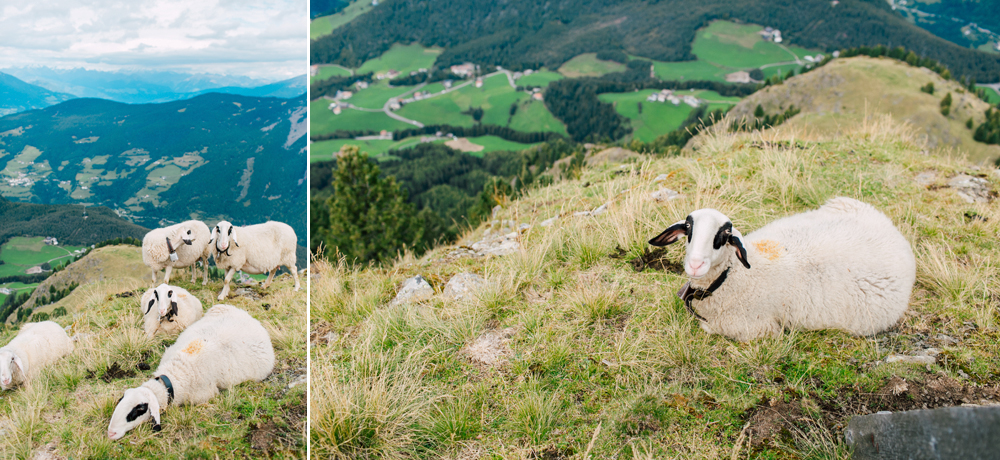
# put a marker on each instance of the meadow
(22, 253)
(328, 71)
(659, 118)
(578, 347)
(325, 25)
(587, 65)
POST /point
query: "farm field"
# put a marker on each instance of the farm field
(495, 97)
(322, 120)
(992, 95)
(376, 95)
(402, 58)
(19, 287)
(324, 150)
(725, 47)
(22, 253)
(659, 118)
(328, 71)
(496, 144)
(541, 78)
(587, 65)
(325, 25)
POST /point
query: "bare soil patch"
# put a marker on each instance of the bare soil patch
(464, 145)
(653, 260)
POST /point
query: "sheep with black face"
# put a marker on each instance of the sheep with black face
(254, 249)
(223, 349)
(169, 309)
(177, 246)
(843, 266)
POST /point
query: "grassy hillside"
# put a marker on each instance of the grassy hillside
(66, 411)
(578, 346)
(325, 25)
(836, 98)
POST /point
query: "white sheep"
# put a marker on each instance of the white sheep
(36, 345)
(843, 266)
(223, 349)
(169, 309)
(255, 249)
(177, 246)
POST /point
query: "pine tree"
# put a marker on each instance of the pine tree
(368, 216)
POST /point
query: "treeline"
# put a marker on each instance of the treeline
(331, 85)
(989, 131)
(71, 224)
(551, 33)
(431, 76)
(426, 197)
(477, 130)
(319, 8)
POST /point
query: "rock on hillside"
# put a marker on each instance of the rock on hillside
(836, 98)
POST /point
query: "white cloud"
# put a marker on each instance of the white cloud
(264, 39)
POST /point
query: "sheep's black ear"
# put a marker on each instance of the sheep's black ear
(671, 234)
(741, 252)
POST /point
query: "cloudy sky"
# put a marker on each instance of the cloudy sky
(264, 39)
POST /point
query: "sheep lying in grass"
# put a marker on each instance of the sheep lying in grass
(36, 345)
(843, 266)
(254, 249)
(177, 246)
(169, 309)
(225, 348)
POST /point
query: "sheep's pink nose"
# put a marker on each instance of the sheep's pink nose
(696, 264)
(111, 434)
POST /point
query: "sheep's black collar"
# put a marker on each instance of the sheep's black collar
(170, 387)
(687, 293)
(170, 247)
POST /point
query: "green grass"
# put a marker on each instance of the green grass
(376, 95)
(327, 71)
(496, 144)
(22, 253)
(540, 78)
(324, 150)
(322, 120)
(495, 98)
(587, 65)
(68, 406)
(691, 70)
(593, 358)
(325, 25)
(992, 95)
(402, 58)
(659, 118)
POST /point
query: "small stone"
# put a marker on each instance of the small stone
(971, 189)
(414, 289)
(946, 339)
(581, 213)
(660, 178)
(962, 374)
(920, 359)
(665, 194)
(496, 210)
(548, 222)
(600, 210)
(523, 227)
(463, 286)
(926, 178)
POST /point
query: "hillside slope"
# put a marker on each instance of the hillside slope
(244, 158)
(18, 96)
(837, 97)
(524, 33)
(577, 346)
(70, 224)
(65, 413)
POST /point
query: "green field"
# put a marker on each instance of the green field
(324, 150)
(327, 71)
(587, 65)
(725, 47)
(376, 95)
(541, 78)
(324, 25)
(495, 97)
(20, 287)
(496, 144)
(659, 118)
(322, 120)
(21, 253)
(402, 58)
(991, 95)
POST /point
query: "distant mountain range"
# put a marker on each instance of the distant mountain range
(213, 156)
(145, 87)
(18, 96)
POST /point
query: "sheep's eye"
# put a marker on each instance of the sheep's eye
(170, 293)
(136, 412)
(189, 232)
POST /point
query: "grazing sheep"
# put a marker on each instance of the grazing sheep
(37, 345)
(169, 309)
(843, 266)
(255, 249)
(225, 348)
(177, 246)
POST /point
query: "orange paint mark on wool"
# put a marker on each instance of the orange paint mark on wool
(769, 249)
(193, 348)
